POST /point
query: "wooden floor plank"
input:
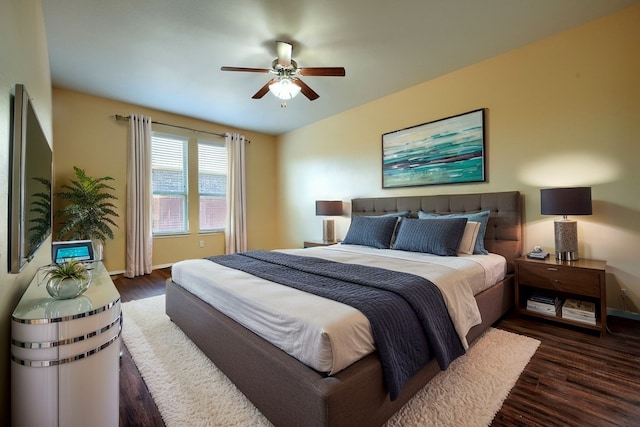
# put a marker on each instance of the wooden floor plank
(575, 378)
(137, 408)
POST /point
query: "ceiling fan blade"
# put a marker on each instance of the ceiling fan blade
(249, 70)
(284, 53)
(264, 89)
(306, 90)
(322, 71)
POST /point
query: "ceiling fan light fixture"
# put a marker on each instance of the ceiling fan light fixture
(286, 83)
(284, 89)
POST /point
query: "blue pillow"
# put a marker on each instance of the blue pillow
(481, 217)
(440, 236)
(374, 231)
(398, 215)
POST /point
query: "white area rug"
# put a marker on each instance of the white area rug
(190, 391)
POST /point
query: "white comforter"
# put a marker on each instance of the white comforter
(327, 335)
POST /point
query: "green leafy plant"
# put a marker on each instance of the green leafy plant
(72, 269)
(41, 213)
(89, 213)
(66, 280)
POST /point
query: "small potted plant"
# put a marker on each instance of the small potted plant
(89, 213)
(66, 280)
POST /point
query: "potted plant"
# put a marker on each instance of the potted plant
(89, 213)
(67, 280)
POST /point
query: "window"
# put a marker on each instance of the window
(212, 185)
(170, 184)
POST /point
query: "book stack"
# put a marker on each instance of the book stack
(544, 304)
(580, 311)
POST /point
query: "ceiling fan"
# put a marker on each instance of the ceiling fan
(287, 84)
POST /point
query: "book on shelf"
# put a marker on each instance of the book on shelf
(538, 308)
(583, 308)
(545, 304)
(545, 299)
(579, 318)
(580, 311)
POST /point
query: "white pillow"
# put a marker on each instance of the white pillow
(469, 237)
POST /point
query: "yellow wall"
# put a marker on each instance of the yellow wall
(90, 138)
(560, 112)
(563, 111)
(24, 59)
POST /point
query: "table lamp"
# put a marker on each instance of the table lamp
(328, 208)
(566, 201)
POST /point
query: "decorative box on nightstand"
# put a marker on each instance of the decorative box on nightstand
(582, 280)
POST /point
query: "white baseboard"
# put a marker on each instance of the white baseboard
(625, 314)
(155, 267)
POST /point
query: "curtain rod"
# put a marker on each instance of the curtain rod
(221, 135)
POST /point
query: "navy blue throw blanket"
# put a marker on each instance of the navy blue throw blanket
(409, 320)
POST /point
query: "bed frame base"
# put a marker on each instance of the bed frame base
(288, 392)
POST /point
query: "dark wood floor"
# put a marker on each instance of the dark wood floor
(574, 379)
(136, 404)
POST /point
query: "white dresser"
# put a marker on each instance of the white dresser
(65, 356)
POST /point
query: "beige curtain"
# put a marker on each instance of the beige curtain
(139, 198)
(236, 227)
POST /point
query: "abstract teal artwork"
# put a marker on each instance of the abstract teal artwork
(445, 151)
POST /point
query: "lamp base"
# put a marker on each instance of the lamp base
(566, 236)
(567, 256)
(328, 231)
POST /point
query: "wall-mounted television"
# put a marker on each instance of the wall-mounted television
(30, 179)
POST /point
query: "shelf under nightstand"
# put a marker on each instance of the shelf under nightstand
(583, 279)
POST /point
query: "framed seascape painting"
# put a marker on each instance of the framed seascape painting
(445, 151)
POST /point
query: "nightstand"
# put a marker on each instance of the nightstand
(314, 244)
(583, 279)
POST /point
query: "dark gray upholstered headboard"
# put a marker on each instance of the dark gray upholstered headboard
(504, 229)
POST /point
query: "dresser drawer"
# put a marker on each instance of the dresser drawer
(559, 278)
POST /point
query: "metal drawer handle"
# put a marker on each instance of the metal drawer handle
(553, 269)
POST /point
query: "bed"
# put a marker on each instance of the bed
(287, 391)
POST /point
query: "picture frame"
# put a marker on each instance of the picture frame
(444, 151)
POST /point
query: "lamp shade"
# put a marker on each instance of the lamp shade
(566, 201)
(328, 207)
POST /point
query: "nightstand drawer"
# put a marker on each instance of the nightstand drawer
(560, 278)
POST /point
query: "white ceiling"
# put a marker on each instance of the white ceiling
(167, 54)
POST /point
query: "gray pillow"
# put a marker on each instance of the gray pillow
(439, 236)
(374, 231)
(481, 217)
(402, 214)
